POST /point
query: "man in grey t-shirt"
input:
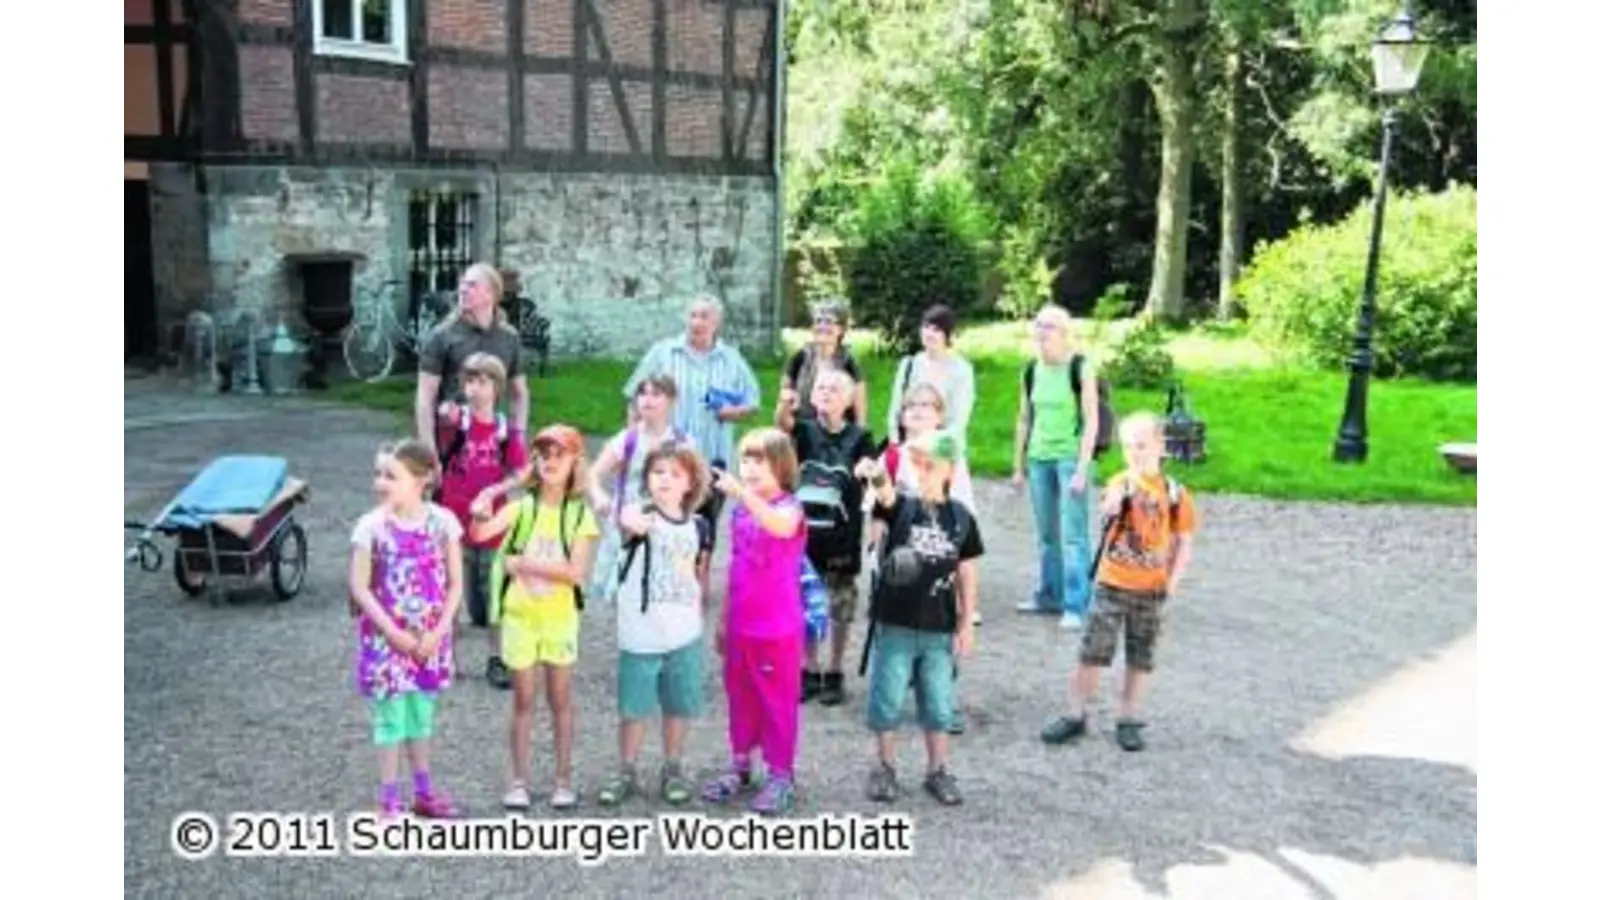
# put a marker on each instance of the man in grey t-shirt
(477, 325)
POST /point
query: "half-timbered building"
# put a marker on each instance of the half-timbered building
(619, 154)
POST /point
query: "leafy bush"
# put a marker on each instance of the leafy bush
(1303, 292)
(1029, 279)
(917, 243)
(1140, 360)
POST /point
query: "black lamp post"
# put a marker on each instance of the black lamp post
(1397, 57)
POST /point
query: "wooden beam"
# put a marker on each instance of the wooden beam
(515, 113)
(417, 43)
(155, 148)
(181, 33)
(217, 83)
(618, 95)
(305, 93)
(763, 64)
(730, 22)
(277, 153)
(658, 79)
(580, 83)
(166, 95)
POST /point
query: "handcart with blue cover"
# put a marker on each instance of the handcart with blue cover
(234, 520)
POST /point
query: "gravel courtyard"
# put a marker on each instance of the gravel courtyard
(1292, 611)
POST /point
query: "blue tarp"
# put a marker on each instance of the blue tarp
(231, 485)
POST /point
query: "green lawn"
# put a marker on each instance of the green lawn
(1270, 428)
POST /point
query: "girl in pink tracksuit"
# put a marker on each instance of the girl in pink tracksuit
(761, 635)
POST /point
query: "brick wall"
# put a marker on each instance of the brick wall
(469, 24)
(467, 108)
(468, 100)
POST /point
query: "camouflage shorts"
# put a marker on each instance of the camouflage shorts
(842, 597)
(1135, 616)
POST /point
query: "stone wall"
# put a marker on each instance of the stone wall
(613, 260)
(178, 248)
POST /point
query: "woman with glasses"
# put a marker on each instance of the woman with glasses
(830, 319)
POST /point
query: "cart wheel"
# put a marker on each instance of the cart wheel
(289, 562)
(193, 585)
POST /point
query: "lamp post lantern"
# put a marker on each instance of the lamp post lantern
(1397, 57)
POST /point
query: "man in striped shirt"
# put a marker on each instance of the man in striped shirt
(716, 387)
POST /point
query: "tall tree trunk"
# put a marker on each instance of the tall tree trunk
(1231, 253)
(1173, 83)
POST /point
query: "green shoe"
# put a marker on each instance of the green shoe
(619, 788)
(675, 788)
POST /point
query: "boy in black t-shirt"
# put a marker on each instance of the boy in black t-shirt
(829, 448)
(923, 605)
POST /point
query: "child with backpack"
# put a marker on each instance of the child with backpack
(829, 448)
(1145, 550)
(922, 609)
(761, 632)
(536, 599)
(405, 582)
(616, 481)
(477, 459)
(1064, 423)
(661, 620)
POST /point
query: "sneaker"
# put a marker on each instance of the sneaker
(810, 685)
(1130, 736)
(942, 785)
(882, 785)
(675, 788)
(1071, 621)
(435, 806)
(392, 811)
(619, 788)
(563, 798)
(497, 674)
(1031, 606)
(1065, 730)
(727, 786)
(832, 693)
(516, 799)
(977, 618)
(775, 797)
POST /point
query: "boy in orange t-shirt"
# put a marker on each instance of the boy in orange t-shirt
(1149, 540)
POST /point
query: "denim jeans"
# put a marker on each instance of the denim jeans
(1061, 528)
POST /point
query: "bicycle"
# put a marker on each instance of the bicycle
(371, 339)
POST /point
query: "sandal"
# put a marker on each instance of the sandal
(675, 788)
(726, 786)
(617, 789)
(776, 797)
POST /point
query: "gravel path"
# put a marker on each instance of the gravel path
(1292, 610)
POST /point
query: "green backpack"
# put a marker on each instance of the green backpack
(517, 538)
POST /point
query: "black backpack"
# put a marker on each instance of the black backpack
(959, 521)
(1108, 417)
(825, 482)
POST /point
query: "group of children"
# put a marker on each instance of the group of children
(626, 528)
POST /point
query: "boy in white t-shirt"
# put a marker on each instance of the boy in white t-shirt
(661, 619)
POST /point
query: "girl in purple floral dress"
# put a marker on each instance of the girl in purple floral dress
(405, 579)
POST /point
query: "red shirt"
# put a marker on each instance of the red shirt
(476, 466)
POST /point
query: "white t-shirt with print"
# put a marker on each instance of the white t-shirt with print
(675, 615)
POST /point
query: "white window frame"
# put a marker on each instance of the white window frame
(393, 52)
